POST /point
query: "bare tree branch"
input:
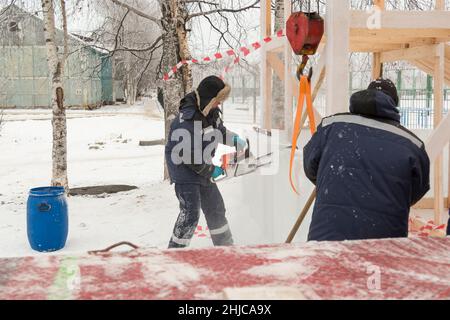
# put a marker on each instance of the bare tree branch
(251, 6)
(138, 12)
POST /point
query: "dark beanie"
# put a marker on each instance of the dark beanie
(212, 89)
(387, 87)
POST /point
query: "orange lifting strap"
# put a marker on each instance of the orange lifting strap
(304, 92)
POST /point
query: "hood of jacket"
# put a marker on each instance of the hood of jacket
(374, 103)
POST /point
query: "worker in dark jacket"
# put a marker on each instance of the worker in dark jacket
(368, 169)
(193, 138)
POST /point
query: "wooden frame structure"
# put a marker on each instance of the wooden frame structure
(419, 37)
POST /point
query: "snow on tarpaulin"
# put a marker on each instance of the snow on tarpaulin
(415, 268)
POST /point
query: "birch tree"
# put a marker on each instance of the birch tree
(56, 64)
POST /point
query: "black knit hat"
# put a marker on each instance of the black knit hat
(212, 89)
(386, 86)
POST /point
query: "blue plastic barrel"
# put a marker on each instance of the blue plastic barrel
(47, 218)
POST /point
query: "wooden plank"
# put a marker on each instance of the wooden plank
(438, 139)
(414, 53)
(437, 118)
(403, 19)
(338, 41)
(362, 46)
(427, 66)
(399, 35)
(428, 203)
(440, 5)
(377, 66)
(266, 72)
(379, 3)
(276, 45)
(288, 92)
(319, 74)
(277, 65)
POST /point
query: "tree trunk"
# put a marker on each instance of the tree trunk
(56, 70)
(184, 52)
(175, 49)
(278, 87)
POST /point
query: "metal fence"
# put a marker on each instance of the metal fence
(416, 104)
(417, 107)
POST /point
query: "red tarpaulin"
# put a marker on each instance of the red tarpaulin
(415, 268)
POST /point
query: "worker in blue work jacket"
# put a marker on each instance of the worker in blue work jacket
(368, 169)
(193, 138)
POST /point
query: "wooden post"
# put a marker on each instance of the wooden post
(377, 66)
(266, 71)
(337, 26)
(440, 4)
(448, 178)
(232, 91)
(254, 97)
(243, 89)
(439, 61)
(288, 96)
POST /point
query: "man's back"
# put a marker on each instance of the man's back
(368, 169)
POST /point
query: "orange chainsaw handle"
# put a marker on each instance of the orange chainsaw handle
(226, 160)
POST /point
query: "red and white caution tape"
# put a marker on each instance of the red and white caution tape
(202, 233)
(425, 229)
(236, 54)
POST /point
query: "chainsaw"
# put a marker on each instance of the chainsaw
(241, 163)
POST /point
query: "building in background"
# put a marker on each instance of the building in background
(24, 76)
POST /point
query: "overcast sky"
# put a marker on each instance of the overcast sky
(82, 18)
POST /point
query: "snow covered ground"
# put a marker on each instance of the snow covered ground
(103, 148)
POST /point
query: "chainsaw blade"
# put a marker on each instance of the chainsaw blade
(250, 165)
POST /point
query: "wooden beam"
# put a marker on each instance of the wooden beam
(337, 25)
(403, 19)
(386, 35)
(438, 139)
(266, 72)
(414, 53)
(276, 64)
(428, 203)
(276, 45)
(437, 118)
(440, 5)
(319, 74)
(379, 3)
(377, 66)
(363, 46)
(426, 65)
(288, 93)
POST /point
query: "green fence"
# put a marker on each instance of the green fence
(417, 107)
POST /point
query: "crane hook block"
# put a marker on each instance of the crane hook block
(304, 31)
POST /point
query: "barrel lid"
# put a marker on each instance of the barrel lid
(47, 191)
